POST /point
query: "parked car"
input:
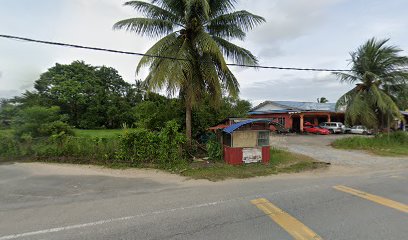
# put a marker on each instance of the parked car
(360, 130)
(334, 127)
(309, 128)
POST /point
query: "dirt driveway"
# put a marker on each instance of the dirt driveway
(319, 148)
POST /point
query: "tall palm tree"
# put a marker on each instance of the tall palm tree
(199, 32)
(378, 72)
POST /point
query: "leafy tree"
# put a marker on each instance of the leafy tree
(40, 122)
(322, 100)
(198, 31)
(205, 115)
(156, 110)
(91, 96)
(377, 70)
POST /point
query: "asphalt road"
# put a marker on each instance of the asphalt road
(62, 202)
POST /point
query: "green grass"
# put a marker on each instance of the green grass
(281, 162)
(102, 133)
(396, 144)
(6, 132)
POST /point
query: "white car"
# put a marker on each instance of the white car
(360, 130)
(334, 127)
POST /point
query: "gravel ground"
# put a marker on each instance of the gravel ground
(319, 148)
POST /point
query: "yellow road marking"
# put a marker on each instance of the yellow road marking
(377, 199)
(294, 227)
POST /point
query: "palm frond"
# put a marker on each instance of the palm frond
(146, 26)
(236, 54)
(226, 31)
(205, 44)
(157, 50)
(219, 7)
(155, 12)
(345, 100)
(177, 7)
(346, 77)
(360, 111)
(209, 75)
(229, 82)
(242, 19)
(198, 9)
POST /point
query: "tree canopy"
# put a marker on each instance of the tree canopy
(378, 72)
(91, 96)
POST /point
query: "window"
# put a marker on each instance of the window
(280, 120)
(263, 138)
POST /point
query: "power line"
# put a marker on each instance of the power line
(164, 57)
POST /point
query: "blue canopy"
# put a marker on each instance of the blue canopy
(233, 127)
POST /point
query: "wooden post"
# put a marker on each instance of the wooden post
(301, 122)
(328, 118)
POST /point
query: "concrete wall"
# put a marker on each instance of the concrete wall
(245, 138)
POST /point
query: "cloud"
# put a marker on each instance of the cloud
(298, 33)
(289, 19)
(9, 93)
(292, 87)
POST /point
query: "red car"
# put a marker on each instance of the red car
(309, 128)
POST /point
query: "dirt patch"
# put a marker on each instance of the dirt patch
(92, 170)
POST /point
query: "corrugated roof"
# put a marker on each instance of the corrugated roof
(404, 113)
(301, 106)
(308, 106)
(230, 129)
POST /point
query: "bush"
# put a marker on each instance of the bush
(135, 148)
(214, 148)
(9, 146)
(143, 146)
(40, 122)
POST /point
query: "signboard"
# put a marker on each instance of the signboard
(251, 155)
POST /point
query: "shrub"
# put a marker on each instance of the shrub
(40, 122)
(9, 146)
(214, 148)
(143, 146)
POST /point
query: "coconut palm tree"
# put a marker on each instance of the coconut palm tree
(322, 100)
(378, 72)
(199, 33)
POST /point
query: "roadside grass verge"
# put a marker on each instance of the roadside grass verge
(395, 144)
(281, 162)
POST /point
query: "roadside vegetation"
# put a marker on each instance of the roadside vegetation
(281, 162)
(394, 144)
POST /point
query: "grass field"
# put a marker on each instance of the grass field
(4, 132)
(396, 144)
(102, 133)
(281, 162)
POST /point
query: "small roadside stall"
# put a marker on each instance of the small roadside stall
(247, 142)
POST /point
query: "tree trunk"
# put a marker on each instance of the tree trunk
(188, 122)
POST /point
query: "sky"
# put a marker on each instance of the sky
(298, 33)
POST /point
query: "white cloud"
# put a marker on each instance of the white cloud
(299, 33)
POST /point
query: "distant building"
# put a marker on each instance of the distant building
(293, 115)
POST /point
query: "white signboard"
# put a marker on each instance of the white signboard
(251, 155)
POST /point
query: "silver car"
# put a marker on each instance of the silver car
(334, 127)
(360, 130)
